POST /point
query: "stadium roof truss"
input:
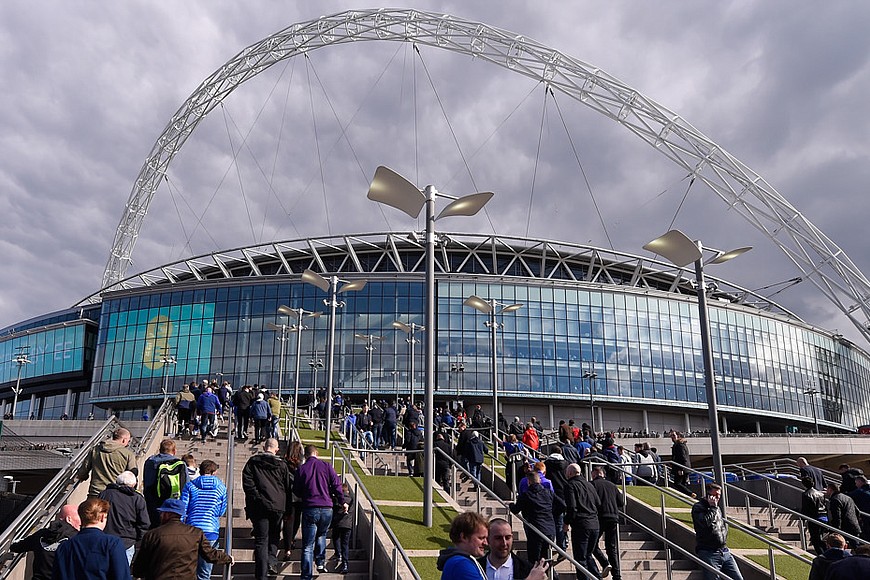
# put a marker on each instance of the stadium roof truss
(392, 254)
(817, 257)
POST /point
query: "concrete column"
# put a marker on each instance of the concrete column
(688, 428)
(32, 406)
(645, 421)
(724, 424)
(599, 421)
(552, 421)
(66, 402)
(758, 427)
(150, 410)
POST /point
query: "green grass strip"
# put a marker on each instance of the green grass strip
(786, 566)
(387, 487)
(407, 525)
(425, 567)
(651, 496)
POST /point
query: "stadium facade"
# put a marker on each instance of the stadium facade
(630, 321)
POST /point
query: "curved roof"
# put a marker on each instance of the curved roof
(394, 253)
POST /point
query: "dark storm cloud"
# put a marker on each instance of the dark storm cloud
(90, 85)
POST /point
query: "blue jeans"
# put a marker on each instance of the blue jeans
(130, 552)
(207, 423)
(203, 567)
(315, 524)
(722, 560)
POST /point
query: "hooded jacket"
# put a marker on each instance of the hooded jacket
(538, 506)
(128, 515)
(260, 410)
(265, 480)
(556, 465)
(105, 463)
(821, 563)
(455, 564)
(44, 544)
(205, 500)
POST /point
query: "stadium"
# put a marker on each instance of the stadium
(580, 331)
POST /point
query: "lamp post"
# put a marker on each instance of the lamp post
(369, 339)
(682, 251)
(458, 369)
(812, 392)
(167, 360)
(390, 188)
(20, 359)
(315, 364)
(282, 330)
(591, 375)
(410, 330)
(331, 285)
(299, 314)
(492, 308)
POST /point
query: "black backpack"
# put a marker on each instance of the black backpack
(171, 477)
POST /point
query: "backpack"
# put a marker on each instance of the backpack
(171, 476)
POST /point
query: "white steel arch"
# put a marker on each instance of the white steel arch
(816, 256)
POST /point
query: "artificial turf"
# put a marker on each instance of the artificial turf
(651, 496)
(786, 566)
(407, 525)
(425, 567)
(387, 487)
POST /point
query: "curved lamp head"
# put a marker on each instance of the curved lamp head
(511, 308)
(392, 189)
(466, 206)
(725, 256)
(478, 304)
(676, 247)
(316, 279)
(287, 311)
(353, 286)
(276, 327)
(402, 326)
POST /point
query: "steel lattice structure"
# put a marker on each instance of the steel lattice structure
(817, 257)
(392, 253)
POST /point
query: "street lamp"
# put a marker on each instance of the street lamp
(299, 314)
(682, 251)
(331, 285)
(390, 188)
(812, 392)
(458, 369)
(167, 360)
(282, 329)
(315, 364)
(21, 360)
(492, 308)
(591, 375)
(410, 330)
(369, 339)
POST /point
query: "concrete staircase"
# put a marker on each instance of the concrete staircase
(243, 541)
(641, 557)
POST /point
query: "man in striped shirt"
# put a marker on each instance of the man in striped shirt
(205, 500)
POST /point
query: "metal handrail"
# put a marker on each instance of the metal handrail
(376, 515)
(492, 495)
(231, 459)
(44, 507)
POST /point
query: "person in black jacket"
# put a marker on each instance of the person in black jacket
(44, 543)
(813, 506)
(848, 475)
(680, 455)
(500, 540)
(556, 465)
(836, 551)
(711, 535)
(861, 496)
(241, 404)
(612, 504)
(581, 517)
(412, 444)
(128, 514)
(852, 568)
(342, 524)
(265, 480)
(442, 463)
(376, 413)
(537, 506)
(842, 512)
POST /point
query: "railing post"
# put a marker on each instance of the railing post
(372, 545)
(748, 508)
(395, 563)
(355, 537)
(772, 562)
(769, 501)
(665, 535)
(801, 528)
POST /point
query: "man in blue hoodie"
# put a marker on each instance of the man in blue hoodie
(208, 406)
(205, 501)
(468, 532)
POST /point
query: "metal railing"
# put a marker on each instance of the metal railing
(43, 509)
(231, 458)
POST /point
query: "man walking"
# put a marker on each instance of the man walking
(45, 542)
(468, 532)
(128, 516)
(501, 562)
(92, 553)
(318, 487)
(581, 517)
(241, 405)
(171, 550)
(265, 480)
(106, 462)
(209, 406)
(842, 512)
(174, 470)
(205, 501)
(711, 534)
(612, 503)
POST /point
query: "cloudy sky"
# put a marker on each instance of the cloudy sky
(89, 86)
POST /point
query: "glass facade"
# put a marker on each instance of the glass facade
(60, 350)
(644, 347)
